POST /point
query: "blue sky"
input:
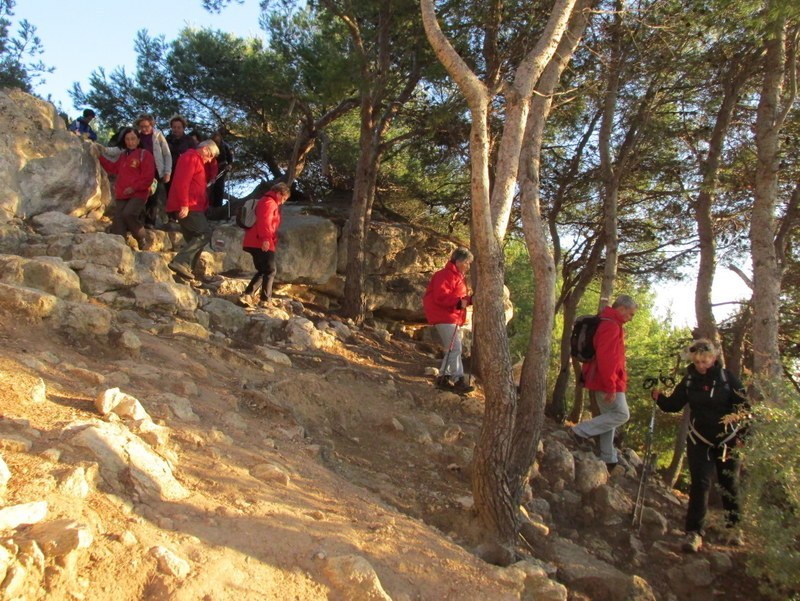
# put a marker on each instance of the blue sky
(80, 36)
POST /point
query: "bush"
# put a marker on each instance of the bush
(771, 498)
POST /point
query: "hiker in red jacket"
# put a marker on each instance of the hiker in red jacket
(261, 240)
(445, 304)
(607, 376)
(189, 200)
(134, 168)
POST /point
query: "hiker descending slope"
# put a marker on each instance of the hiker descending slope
(715, 397)
(445, 303)
(607, 376)
(261, 240)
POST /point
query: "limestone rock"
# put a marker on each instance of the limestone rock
(151, 267)
(167, 297)
(538, 584)
(59, 537)
(178, 406)
(270, 473)
(48, 274)
(557, 462)
(28, 303)
(224, 315)
(85, 318)
(273, 356)
(38, 392)
(170, 563)
(53, 223)
(114, 400)
(189, 329)
(580, 570)
(5, 476)
(301, 333)
(355, 578)
(131, 342)
(75, 482)
(45, 167)
(13, 516)
(15, 442)
(127, 461)
(590, 473)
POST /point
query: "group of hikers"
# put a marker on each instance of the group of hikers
(181, 177)
(150, 167)
(715, 396)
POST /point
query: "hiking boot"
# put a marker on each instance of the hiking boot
(692, 543)
(181, 270)
(444, 383)
(734, 537)
(461, 387)
(247, 300)
(583, 443)
(211, 280)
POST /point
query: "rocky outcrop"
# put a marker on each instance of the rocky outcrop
(43, 167)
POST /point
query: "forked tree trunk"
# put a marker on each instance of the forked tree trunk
(496, 485)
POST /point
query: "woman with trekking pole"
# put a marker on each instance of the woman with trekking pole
(445, 303)
(717, 401)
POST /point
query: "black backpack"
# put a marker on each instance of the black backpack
(246, 215)
(581, 341)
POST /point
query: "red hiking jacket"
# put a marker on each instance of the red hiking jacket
(188, 185)
(134, 169)
(607, 372)
(268, 220)
(446, 288)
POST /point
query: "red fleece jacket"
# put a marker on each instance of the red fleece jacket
(134, 169)
(268, 220)
(446, 288)
(607, 372)
(188, 185)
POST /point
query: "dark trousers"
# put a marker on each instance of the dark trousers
(218, 192)
(264, 262)
(128, 218)
(196, 233)
(154, 209)
(703, 460)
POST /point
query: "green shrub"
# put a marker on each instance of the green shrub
(771, 498)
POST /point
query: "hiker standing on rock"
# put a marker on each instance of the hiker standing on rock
(261, 240)
(445, 303)
(134, 169)
(715, 397)
(189, 201)
(607, 376)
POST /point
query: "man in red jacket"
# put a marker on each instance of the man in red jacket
(189, 199)
(445, 303)
(607, 376)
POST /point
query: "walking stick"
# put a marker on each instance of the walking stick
(649, 455)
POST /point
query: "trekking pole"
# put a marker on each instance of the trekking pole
(649, 455)
(649, 462)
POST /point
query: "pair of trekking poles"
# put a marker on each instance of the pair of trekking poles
(649, 463)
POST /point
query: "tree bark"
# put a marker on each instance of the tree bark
(766, 270)
(733, 81)
(496, 485)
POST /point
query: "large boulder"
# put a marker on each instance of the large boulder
(49, 274)
(306, 248)
(43, 167)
